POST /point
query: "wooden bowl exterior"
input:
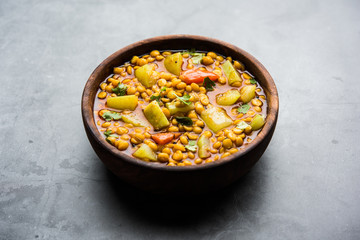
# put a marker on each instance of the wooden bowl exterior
(161, 179)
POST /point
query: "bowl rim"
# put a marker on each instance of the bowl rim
(89, 122)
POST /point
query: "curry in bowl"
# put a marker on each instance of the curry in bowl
(180, 108)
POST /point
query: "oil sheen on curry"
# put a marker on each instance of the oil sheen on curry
(180, 108)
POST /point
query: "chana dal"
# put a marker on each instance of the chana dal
(180, 108)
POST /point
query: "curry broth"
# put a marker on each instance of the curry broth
(219, 88)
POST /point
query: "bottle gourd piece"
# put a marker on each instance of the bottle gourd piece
(247, 93)
(257, 122)
(228, 98)
(216, 118)
(134, 120)
(204, 146)
(123, 102)
(146, 75)
(155, 116)
(173, 109)
(173, 63)
(144, 152)
(231, 74)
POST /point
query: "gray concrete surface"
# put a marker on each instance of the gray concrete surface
(53, 186)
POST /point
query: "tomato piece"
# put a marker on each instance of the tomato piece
(163, 138)
(177, 135)
(197, 76)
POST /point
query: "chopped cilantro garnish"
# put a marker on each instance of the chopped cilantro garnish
(108, 134)
(253, 81)
(185, 99)
(157, 97)
(190, 52)
(243, 108)
(208, 84)
(108, 116)
(120, 90)
(184, 121)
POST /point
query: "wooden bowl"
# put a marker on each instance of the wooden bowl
(161, 179)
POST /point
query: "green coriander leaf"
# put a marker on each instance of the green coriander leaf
(196, 57)
(184, 99)
(253, 81)
(120, 90)
(190, 52)
(208, 84)
(242, 125)
(157, 97)
(243, 108)
(112, 135)
(191, 146)
(116, 116)
(184, 121)
(108, 116)
(107, 133)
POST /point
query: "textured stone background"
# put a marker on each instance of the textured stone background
(53, 186)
